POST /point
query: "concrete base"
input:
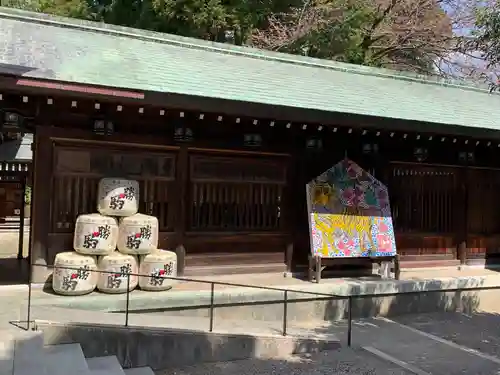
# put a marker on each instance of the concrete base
(267, 305)
(108, 365)
(165, 348)
(41, 275)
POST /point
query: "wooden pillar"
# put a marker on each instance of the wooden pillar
(21, 220)
(182, 177)
(40, 220)
(462, 217)
(290, 213)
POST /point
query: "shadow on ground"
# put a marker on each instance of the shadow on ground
(428, 296)
(14, 271)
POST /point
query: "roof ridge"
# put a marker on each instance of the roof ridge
(245, 51)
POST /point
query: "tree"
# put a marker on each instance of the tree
(67, 8)
(217, 20)
(484, 44)
(400, 34)
(486, 38)
(415, 35)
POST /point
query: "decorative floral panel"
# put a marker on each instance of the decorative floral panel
(349, 214)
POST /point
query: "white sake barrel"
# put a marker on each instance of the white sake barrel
(118, 197)
(138, 234)
(157, 265)
(78, 280)
(95, 234)
(116, 266)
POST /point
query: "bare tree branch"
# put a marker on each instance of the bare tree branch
(417, 35)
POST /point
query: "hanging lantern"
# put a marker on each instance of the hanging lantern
(370, 148)
(182, 134)
(252, 140)
(103, 127)
(12, 122)
(314, 143)
(420, 154)
(466, 157)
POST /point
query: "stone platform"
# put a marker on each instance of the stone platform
(192, 300)
(254, 316)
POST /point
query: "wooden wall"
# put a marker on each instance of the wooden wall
(229, 202)
(224, 207)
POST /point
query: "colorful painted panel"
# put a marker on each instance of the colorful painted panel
(349, 214)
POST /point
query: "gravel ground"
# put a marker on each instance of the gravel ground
(339, 362)
(480, 331)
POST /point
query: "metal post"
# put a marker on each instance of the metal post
(349, 321)
(28, 317)
(212, 296)
(20, 244)
(128, 299)
(285, 312)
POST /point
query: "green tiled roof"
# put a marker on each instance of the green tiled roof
(42, 46)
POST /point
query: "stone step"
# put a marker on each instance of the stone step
(24, 344)
(53, 360)
(139, 371)
(6, 358)
(28, 345)
(25, 353)
(105, 366)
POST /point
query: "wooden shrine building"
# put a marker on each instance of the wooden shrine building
(223, 140)
(15, 172)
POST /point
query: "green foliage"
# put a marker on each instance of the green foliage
(210, 19)
(67, 8)
(486, 40)
(338, 39)
(487, 35)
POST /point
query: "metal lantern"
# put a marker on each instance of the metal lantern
(252, 140)
(420, 154)
(12, 122)
(314, 143)
(182, 134)
(370, 148)
(103, 127)
(466, 156)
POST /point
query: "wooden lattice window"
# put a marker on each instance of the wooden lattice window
(236, 194)
(483, 215)
(423, 199)
(77, 173)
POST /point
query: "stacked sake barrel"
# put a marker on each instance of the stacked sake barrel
(118, 225)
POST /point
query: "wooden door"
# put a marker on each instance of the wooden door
(236, 204)
(424, 209)
(483, 213)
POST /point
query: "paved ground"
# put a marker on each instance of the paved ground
(9, 242)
